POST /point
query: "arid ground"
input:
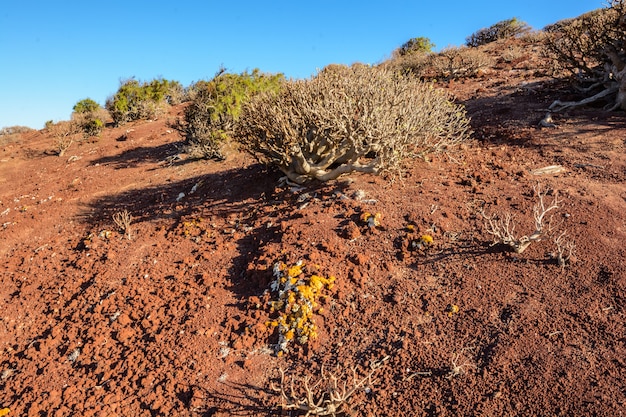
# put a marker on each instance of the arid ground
(173, 321)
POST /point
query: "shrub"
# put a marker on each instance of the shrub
(86, 105)
(10, 134)
(90, 117)
(416, 64)
(349, 119)
(577, 44)
(14, 130)
(90, 124)
(134, 100)
(501, 30)
(216, 106)
(419, 45)
(592, 47)
(63, 133)
(459, 62)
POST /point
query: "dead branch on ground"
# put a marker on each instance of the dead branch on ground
(327, 396)
(503, 228)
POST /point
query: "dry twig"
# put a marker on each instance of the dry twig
(564, 249)
(503, 228)
(327, 396)
(123, 220)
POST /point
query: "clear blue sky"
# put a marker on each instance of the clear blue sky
(55, 53)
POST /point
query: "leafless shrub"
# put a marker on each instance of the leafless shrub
(11, 134)
(349, 119)
(327, 396)
(503, 228)
(415, 64)
(458, 369)
(565, 249)
(458, 62)
(512, 53)
(123, 219)
(63, 133)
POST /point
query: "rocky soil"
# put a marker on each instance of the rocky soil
(173, 315)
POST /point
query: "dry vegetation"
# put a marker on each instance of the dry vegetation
(349, 119)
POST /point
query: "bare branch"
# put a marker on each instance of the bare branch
(123, 219)
(331, 399)
(503, 228)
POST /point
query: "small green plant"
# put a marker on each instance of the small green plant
(504, 29)
(216, 106)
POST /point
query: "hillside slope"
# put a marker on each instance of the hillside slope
(173, 321)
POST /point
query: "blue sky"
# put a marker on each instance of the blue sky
(55, 53)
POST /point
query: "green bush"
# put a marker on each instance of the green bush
(419, 45)
(346, 119)
(135, 101)
(86, 105)
(501, 30)
(216, 106)
(89, 117)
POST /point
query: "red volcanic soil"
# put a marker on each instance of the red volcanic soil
(176, 320)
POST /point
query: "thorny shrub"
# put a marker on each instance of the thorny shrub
(349, 119)
(215, 107)
(501, 30)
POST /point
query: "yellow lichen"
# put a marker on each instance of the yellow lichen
(427, 239)
(372, 220)
(297, 302)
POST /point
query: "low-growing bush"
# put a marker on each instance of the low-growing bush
(90, 117)
(135, 101)
(216, 106)
(10, 134)
(459, 62)
(345, 119)
(501, 30)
